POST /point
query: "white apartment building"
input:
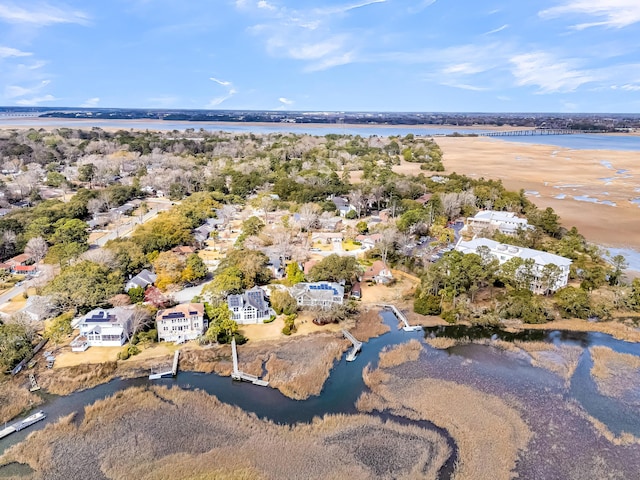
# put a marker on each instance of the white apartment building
(491, 220)
(503, 253)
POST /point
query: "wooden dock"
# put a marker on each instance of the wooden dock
(239, 375)
(402, 318)
(34, 385)
(168, 373)
(357, 346)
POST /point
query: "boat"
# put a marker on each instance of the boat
(22, 424)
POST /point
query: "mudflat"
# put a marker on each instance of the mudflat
(569, 181)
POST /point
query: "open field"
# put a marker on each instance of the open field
(489, 442)
(125, 436)
(555, 171)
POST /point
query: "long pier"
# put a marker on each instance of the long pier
(538, 131)
(357, 346)
(402, 318)
(241, 376)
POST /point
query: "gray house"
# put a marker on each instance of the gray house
(319, 294)
(142, 280)
(249, 307)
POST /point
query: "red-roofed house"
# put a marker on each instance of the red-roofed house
(378, 272)
(309, 265)
(424, 198)
(29, 270)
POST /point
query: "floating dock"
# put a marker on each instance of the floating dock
(34, 385)
(168, 373)
(241, 376)
(402, 318)
(22, 424)
(357, 346)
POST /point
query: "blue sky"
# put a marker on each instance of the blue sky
(380, 55)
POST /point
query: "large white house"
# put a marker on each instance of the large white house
(249, 307)
(503, 253)
(491, 220)
(104, 328)
(181, 323)
(319, 294)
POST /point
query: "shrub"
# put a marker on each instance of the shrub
(270, 319)
(289, 324)
(128, 351)
(59, 328)
(427, 305)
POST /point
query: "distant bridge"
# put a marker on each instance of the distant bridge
(538, 131)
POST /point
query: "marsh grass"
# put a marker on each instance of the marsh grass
(162, 434)
(15, 398)
(369, 325)
(300, 366)
(489, 432)
(616, 374)
(444, 343)
(406, 352)
(63, 381)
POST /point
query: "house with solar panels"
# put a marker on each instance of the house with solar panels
(318, 294)
(104, 328)
(250, 307)
(181, 323)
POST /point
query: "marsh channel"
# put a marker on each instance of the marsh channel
(506, 373)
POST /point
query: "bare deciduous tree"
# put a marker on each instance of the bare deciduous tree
(36, 248)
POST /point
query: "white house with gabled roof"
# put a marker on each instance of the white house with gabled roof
(490, 220)
(249, 307)
(504, 252)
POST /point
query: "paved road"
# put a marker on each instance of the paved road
(125, 229)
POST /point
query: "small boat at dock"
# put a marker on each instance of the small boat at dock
(22, 424)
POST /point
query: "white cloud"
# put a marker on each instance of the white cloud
(496, 30)
(464, 69)
(318, 50)
(286, 101)
(614, 13)
(266, 5)
(6, 52)
(548, 73)
(231, 91)
(330, 62)
(224, 83)
(630, 88)
(464, 86)
(41, 15)
(345, 8)
(36, 100)
(15, 91)
(91, 102)
(421, 6)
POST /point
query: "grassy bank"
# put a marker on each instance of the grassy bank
(162, 434)
(16, 398)
(369, 325)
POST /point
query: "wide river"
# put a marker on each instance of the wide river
(579, 142)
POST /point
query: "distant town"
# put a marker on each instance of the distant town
(577, 121)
